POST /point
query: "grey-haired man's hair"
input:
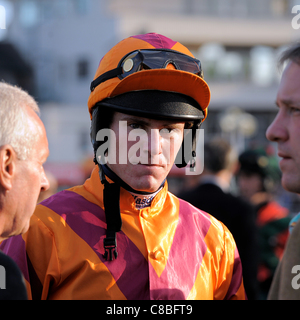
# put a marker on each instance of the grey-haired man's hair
(14, 125)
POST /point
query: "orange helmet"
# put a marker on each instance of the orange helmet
(153, 76)
(143, 62)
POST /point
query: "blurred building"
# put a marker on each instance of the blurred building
(238, 43)
(14, 69)
(62, 42)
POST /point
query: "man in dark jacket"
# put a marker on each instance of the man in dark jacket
(257, 180)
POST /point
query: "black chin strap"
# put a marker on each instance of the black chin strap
(111, 198)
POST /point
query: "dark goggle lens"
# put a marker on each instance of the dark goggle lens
(150, 59)
(154, 59)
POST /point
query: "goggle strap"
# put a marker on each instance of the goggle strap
(106, 76)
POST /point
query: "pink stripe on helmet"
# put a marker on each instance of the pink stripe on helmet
(156, 40)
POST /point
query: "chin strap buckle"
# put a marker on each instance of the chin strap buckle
(193, 162)
(110, 247)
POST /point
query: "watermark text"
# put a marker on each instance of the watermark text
(133, 147)
(295, 281)
(296, 19)
(2, 278)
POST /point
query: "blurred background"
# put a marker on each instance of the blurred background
(52, 48)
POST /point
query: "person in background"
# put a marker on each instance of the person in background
(285, 132)
(213, 195)
(23, 150)
(256, 179)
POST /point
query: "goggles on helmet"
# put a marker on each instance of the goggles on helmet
(150, 59)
